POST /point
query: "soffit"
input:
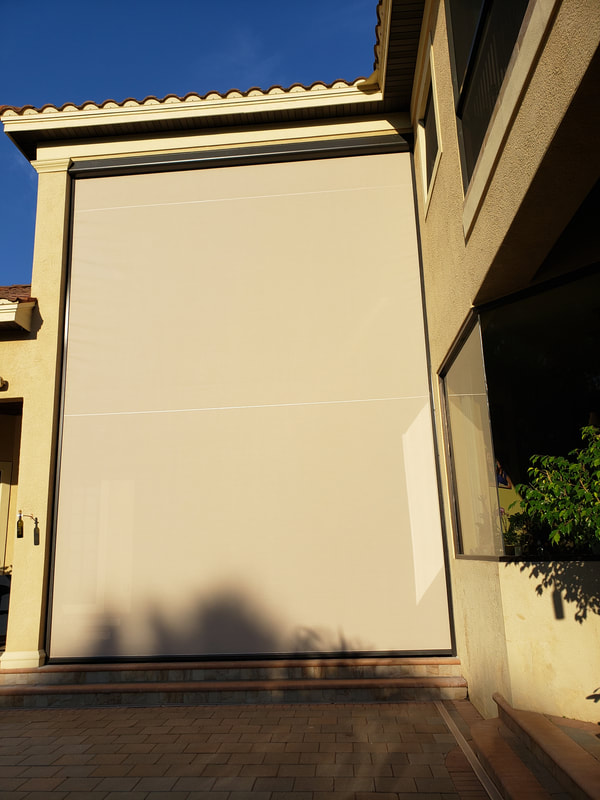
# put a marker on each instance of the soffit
(405, 32)
(397, 43)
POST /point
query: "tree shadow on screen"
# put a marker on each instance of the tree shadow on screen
(227, 624)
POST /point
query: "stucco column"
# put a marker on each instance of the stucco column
(40, 380)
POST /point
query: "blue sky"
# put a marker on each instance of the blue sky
(58, 51)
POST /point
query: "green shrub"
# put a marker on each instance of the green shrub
(563, 497)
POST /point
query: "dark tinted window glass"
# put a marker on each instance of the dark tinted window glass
(431, 140)
(498, 38)
(464, 16)
(543, 371)
(483, 34)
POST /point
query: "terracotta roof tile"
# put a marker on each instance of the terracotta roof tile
(189, 97)
(20, 292)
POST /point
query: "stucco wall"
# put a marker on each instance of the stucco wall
(552, 623)
(479, 622)
(531, 631)
(456, 267)
(31, 368)
(474, 250)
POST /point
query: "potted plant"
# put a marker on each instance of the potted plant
(513, 533)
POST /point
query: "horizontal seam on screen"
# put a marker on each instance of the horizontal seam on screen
(467, 394)
(237, 408)
(245, 197)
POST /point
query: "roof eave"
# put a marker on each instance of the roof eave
(31, 127)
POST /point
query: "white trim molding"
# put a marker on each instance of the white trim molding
(16, 314)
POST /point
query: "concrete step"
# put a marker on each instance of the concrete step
(269, 681)
(527, 756)
(512, 777)
(238, 670)
(575, 769)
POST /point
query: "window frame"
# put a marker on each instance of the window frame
(472, 323)
(428, 90)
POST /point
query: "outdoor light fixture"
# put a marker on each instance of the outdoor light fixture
(36, 527)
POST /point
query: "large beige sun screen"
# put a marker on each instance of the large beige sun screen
(247, 461)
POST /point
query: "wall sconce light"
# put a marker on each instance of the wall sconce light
(36, 527)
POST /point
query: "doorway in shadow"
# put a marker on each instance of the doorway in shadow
(10, 438)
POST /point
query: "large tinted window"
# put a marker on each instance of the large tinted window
(483, 37)
(524, 382)
(542, 360)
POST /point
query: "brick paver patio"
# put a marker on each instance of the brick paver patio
(268, 752)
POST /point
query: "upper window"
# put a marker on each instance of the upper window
(431, 138)
(483, 34)
(429, 143)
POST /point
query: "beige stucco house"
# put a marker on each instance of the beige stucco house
(249, 410)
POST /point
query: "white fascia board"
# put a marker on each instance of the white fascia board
(15, 313)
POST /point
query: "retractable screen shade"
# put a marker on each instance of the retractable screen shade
(246, 458)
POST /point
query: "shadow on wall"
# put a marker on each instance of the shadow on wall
(229, 624)
(210, 628)
(569, 582)
(215, 626)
